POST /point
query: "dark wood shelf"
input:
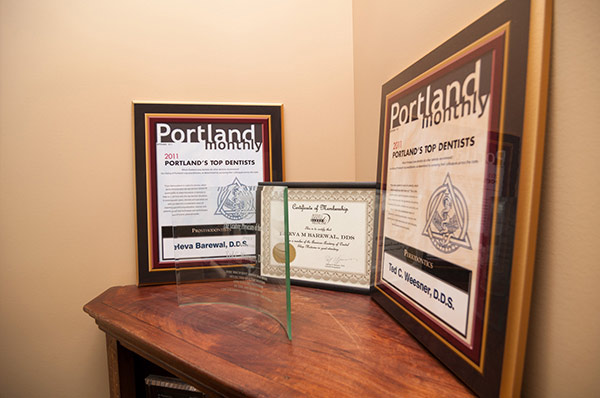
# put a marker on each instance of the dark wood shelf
(344, 345)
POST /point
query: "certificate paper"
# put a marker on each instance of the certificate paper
(197, 169)
(206, 173)
(330, 237)
(440, 180)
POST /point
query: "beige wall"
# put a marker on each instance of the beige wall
(563, 357)
(68, 73)
(389, 36)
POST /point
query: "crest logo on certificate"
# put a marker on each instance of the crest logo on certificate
(447, 218)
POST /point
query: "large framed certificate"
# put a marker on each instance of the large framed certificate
(197, 167)
(331, 231)
(459, 167)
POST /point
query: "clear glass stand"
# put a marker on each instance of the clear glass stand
(221, 264)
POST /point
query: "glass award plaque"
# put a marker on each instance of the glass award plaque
(217, 257)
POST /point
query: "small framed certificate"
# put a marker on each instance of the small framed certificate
(331, 228)
(197, 167)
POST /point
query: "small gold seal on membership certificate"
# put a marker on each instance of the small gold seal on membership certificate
(279, 253)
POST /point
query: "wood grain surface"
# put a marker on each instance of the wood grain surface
(344, 345)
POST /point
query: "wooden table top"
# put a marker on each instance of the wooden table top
(344, 345)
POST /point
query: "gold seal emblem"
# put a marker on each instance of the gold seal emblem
(279, 252)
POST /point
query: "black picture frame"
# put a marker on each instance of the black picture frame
(319, 214)
(429, 152)
(268, 120)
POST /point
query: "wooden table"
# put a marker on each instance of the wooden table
(344, 345)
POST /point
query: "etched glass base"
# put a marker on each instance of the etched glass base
(218, 256)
